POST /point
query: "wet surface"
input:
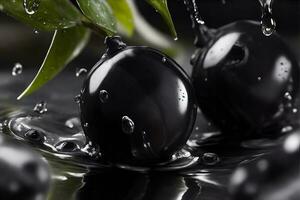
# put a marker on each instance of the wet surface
(202, 170)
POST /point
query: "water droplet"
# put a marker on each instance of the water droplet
(40, 107)
(80, 72)
(31, 6)
(164, 59)
(17, 69)
(104, 96)
(295, 110)
(210, 158)
(77, 98)
(268, 24)
(259, 78)
(175, 38)
(127, 125)
(288, 96)
(34, 135)
(201, 31)
(67, 146)
(72, 122)
(86, 125)
(35, 31)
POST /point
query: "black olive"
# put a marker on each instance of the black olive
(275, 176)
(137, 104)
(245, 81)
(24, 174)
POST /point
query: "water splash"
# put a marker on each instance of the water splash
(40, 107)
(31, 6)
(268, 24)
(202, 34)
(17, 69)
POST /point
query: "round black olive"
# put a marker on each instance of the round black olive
(24, 174)
(275, 176)
(244, 81)
(137, 104)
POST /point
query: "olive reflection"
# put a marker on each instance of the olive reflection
(119, 184)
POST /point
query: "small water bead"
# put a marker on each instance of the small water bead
(210, 158)
(288, 96)
(72, 122)
(77, 98)
(86, 125)
(41, 107)
(35, 31)
(127, 125)
(31, 6)
(17, 69)
(80, 72)
(268, 24)
(164, 59)
(259, 78)
(104, 96)
(295, 110)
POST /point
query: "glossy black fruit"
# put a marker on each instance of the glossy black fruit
(245, 82)
(137, 104)
(275, 176)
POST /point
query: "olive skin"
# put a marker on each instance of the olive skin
(137, 104)
(245, 82)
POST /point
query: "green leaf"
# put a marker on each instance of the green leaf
(43, 14)
(65, 46)
(123, 14)
(162, 7)
(99, 13)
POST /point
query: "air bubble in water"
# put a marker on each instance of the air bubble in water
(268, 24)
(40, 107)
(104, 96)
(31, 6)
(210, 158)
(127, 125)
(80, 72)
(17, 69)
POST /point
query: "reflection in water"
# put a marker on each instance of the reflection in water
(118, 184)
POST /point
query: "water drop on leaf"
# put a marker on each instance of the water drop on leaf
(31, 6)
